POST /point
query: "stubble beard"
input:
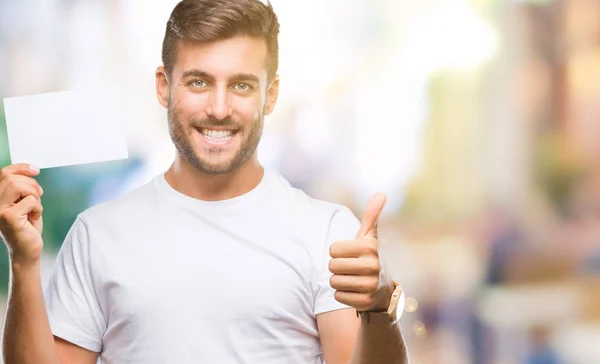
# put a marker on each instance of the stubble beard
(214, 163)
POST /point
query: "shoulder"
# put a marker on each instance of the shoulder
(132, 206)
(309, 210)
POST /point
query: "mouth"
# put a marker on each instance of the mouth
(217, 135)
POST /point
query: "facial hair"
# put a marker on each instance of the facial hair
(181, 134)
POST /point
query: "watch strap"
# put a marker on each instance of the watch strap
(391, 315)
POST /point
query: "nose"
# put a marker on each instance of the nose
(219, 106)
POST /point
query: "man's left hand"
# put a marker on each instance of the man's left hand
(356, 267)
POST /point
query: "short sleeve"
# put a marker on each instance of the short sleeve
(343, 226)
(71, 302)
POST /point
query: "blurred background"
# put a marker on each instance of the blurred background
(480, 119)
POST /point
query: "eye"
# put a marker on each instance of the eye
(198, 83)
(243, 87)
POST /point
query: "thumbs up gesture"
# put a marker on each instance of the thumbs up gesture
(356, 268)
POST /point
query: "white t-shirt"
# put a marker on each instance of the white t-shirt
(158, 277)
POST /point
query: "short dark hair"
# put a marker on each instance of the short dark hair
(213, 20)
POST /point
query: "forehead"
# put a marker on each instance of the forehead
(240, 54)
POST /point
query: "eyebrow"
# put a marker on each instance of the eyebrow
(244, 77)
(197, 73)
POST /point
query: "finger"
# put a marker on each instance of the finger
(14, 216)
(354, 266)
(368, 226)
(36, 212)
(352, 248)
(359, 301)
(360, 284)
(20, 179)
(28, 205)
(15, 192)
(20, 168)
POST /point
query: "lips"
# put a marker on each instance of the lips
(217, 136)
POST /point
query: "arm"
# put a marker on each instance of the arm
(27, 337)
(361, 282)
(338, 333)
(70, 353)
(379, 338)
(379, 342)
(345, 339)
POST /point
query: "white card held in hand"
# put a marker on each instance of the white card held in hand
(66, 128)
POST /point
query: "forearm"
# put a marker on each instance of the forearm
(381, 343)
(27, 338)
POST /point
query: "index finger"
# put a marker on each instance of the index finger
(19, 168)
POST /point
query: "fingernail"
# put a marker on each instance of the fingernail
(41, 191)
(34, 168)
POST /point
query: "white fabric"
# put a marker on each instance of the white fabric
(158, 277)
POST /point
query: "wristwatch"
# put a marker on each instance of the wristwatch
(393, 313)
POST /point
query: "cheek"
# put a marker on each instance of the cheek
(257, 113)
(189, 105)
(247, 109)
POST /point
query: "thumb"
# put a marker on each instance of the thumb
(368, 226)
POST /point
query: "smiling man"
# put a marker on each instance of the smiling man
(218, 260)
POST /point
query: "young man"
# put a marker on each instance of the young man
(216, 261)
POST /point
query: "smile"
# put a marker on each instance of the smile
(217, 136)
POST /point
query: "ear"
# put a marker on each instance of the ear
(272, 94)
(162, 86)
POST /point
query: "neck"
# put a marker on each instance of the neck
(214, 187)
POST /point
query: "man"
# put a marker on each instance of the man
(216, 261)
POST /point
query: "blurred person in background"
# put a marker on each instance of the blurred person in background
(542, 352)
(252, 269)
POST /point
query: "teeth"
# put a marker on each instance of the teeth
(217, 135)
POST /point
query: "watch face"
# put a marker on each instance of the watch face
(400, 306)
(397, 304)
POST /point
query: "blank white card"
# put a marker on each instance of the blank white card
(66, 128)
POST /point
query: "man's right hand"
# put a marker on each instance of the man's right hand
(21, 213)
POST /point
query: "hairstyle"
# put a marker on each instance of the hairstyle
(213, 20)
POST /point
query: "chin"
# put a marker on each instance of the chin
(208, 167)
(218, 169)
